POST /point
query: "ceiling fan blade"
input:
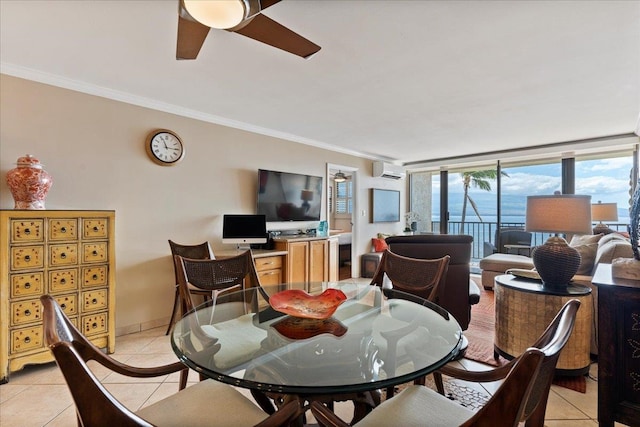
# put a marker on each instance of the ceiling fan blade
(266, 30)
(267, 3)
(191, 35)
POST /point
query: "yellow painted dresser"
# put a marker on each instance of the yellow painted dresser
(69, 254)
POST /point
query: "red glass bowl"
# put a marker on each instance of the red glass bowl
(297, 328)
(298, 303)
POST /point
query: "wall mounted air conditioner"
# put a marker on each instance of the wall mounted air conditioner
(388, 170)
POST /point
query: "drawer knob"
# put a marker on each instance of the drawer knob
(94, 277)
(95, 228)
(27, 285)
(63, 306)
(63, 255)
(27, 258)
(63, 281)
(27, 312)
(94, 301)
(27, 231)
(94, 253)
(63, 229)
(94, 325)
(27, 340)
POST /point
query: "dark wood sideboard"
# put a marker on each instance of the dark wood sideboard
(618, 348)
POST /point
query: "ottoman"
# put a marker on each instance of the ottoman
(369, 263)
(496, 264)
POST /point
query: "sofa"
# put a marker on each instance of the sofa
(460, 292)
(594, 250)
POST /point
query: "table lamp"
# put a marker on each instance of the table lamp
(603, 212)
(556, 261)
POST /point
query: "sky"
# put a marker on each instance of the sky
(606, 180)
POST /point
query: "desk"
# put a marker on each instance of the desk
(381, 340)
(524, 308)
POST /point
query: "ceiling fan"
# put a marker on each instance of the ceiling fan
(196, 17)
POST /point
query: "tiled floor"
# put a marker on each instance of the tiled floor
(38, 396)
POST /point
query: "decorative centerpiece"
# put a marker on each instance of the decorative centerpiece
(297, 328)
(298, 303)
(411, 221)
(29, 183)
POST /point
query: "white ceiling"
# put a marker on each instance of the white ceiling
(395, 80)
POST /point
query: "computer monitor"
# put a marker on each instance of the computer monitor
(244, 230)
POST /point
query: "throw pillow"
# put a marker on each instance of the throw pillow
(587, 247)
(379, 245)
(587, 258)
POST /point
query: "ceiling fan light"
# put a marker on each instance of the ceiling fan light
(220, 14)
(339, 177)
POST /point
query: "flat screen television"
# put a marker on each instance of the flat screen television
(284, 196)
(385, 205)
(243, 230)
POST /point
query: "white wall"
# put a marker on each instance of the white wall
(94, 150)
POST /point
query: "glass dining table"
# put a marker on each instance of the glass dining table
(376, 339)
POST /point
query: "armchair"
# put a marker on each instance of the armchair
(458, 292)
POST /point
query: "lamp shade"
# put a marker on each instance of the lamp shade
(561, 213)
(604, 211)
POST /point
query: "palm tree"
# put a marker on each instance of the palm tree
(477, 179)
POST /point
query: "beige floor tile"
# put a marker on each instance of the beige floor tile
(560, 409)
(35, 406)
(160, 344)
(585, 402)
(7, 391)
(142, 360)
(131, 395)
(31, 374)
(67, 418)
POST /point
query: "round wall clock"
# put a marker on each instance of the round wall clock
(164, 147)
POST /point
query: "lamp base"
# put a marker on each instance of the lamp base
(602, 228)
(556, 262)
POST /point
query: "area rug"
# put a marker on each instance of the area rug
(480, 335)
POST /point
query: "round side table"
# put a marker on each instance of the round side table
(524, 308)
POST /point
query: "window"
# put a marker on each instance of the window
(344, 197)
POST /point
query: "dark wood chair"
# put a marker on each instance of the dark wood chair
(190, 406)
(522, 396)
(199, 251)
(420, 277)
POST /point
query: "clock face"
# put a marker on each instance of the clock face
(164, 147)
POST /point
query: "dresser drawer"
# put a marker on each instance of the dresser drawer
(63, 280)
(94, 252)
(68, 304)
(94, 300)
(268, 263)
(94, 324)
(27, 284)
(28, 311)
(270, 277)
(60, 255)
(26, 339)
(94, 276)
(95, 228)
(27, 257)
(27, 230)
(63, 229)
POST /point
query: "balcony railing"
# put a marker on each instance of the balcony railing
(486, 231)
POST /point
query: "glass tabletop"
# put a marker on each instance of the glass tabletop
(375, 339)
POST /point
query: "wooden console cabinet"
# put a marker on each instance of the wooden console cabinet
(307, 259)
(68, 254)
(618, 348)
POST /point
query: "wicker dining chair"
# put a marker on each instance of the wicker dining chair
(200, 251)
(420, 277)
(522, 396)
(190, 406)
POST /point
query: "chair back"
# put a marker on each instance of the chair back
(215, 275)
(94, 404)
(421, 277)
(511, 236)
(200, 251)
(551, 342)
